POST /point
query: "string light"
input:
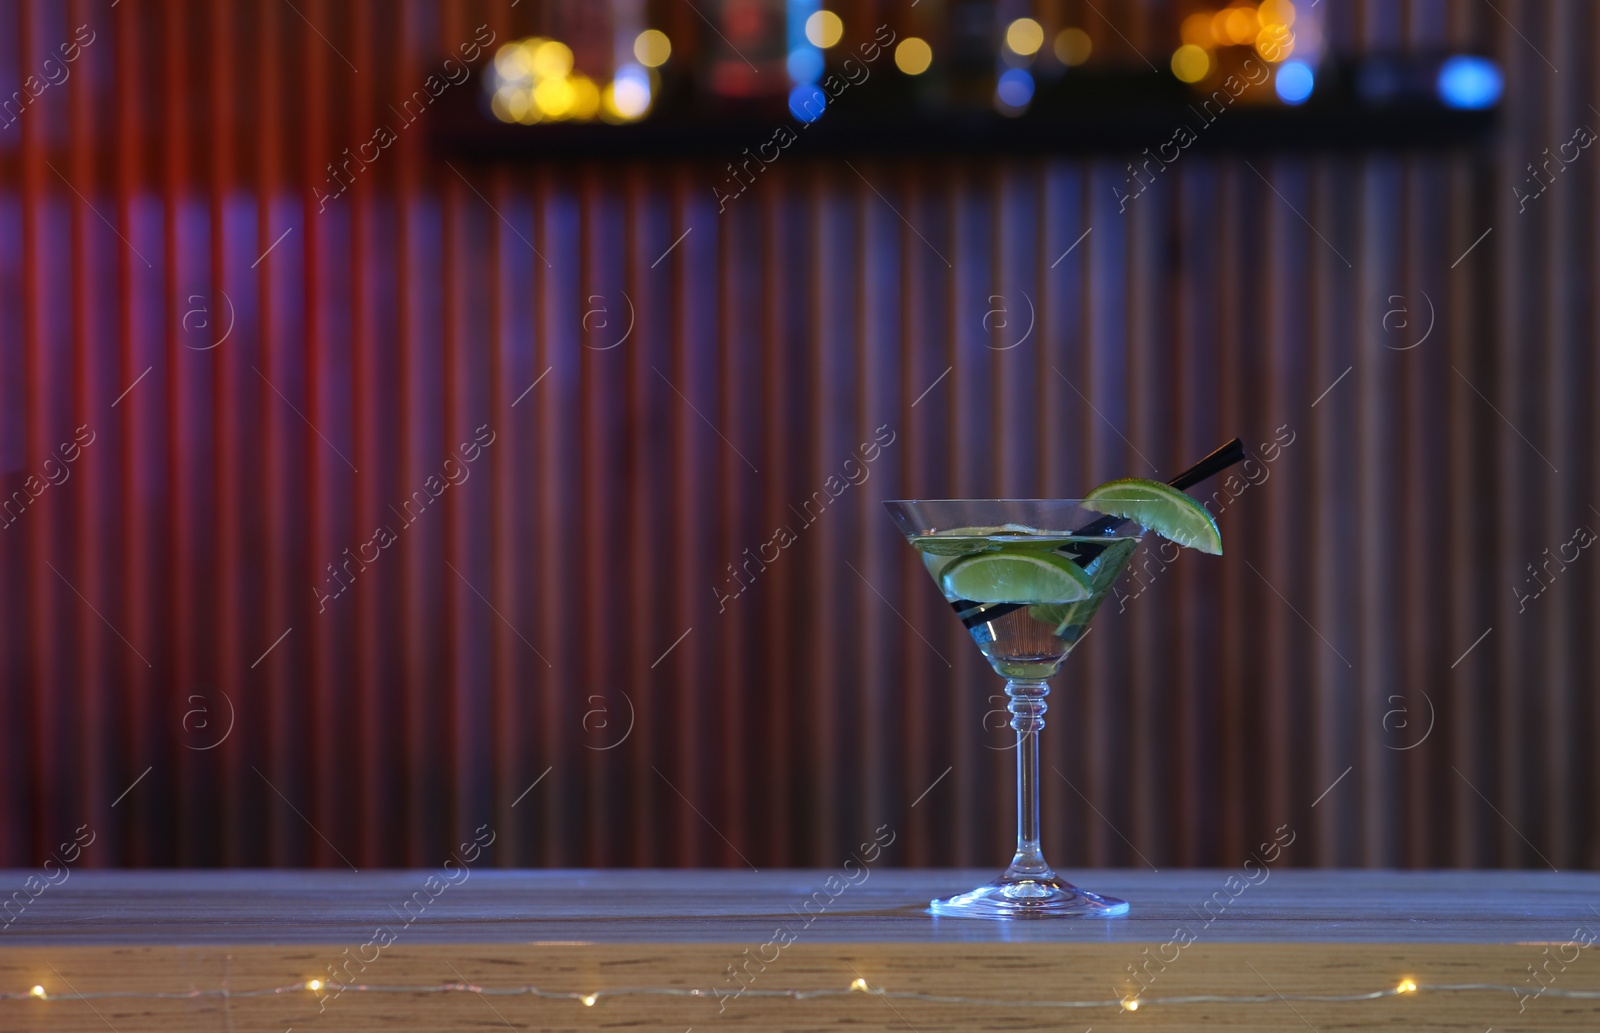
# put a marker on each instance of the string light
(857, 985)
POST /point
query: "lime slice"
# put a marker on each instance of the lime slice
(962, 541)
(1016, 577)
(1160, 507)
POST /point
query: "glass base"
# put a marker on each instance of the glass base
(1049, 897)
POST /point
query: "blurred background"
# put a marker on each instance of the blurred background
(399, 402)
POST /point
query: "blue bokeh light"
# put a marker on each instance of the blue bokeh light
(1470, 82)
(805, 64)
(1294, 82)
(1015, 88)
(806, 102)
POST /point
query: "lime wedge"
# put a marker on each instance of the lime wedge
(1160, 507)
(1017, 577)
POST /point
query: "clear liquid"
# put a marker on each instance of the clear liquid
(1022, 640)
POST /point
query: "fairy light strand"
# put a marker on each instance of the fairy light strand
(1404, 988)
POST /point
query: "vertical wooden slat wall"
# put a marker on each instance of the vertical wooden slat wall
(580, 637)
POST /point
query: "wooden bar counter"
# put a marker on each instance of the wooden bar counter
(792, 950)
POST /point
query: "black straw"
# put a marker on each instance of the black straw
(1210, 466)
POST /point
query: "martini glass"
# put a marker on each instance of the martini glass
(1039, 569)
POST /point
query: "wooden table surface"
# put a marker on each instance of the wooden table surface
(1298, 933)
(282, 908)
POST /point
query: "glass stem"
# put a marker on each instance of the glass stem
(1027, 709)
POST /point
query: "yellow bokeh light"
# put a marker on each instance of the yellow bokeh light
(1131, 1004)
(913, 56)
(1275, 43)
(513, 61)
(1025, 36)
(1073, 46)
(652, 48)
(1239, 24)
(588, 1000)
(824, 29)
(1196, 29)
(524, 110)
(585, 98)
(37, 991)
(552, 59)
(1190, 63)
(858, 983)
(313, 985)
(1406, 987)
(554, 97)
(1275, 12)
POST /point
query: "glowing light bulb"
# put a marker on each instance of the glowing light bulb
(1025, 36)
(313, 985)
(858, 984)
(589, 999)
(1131, 1004)
(1406, 987)
(37, 991)
(913, 56)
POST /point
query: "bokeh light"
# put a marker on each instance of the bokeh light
(1025, 36)
(552, 59)
(804, 64)
(585, 98)
(1073, 46)
(824, 29)
(806, 102)
(1275, 12)
(1196, 29)
(1190, 63)
(630, 92)
(1014, 90)
(514, 61)
(1240, 24)
(1470, 82)
(913, 56)
(554, 97)
(1294, 82)
(1275, 43)
(652, 48)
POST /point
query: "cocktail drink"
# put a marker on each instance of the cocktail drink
(1025, 576)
